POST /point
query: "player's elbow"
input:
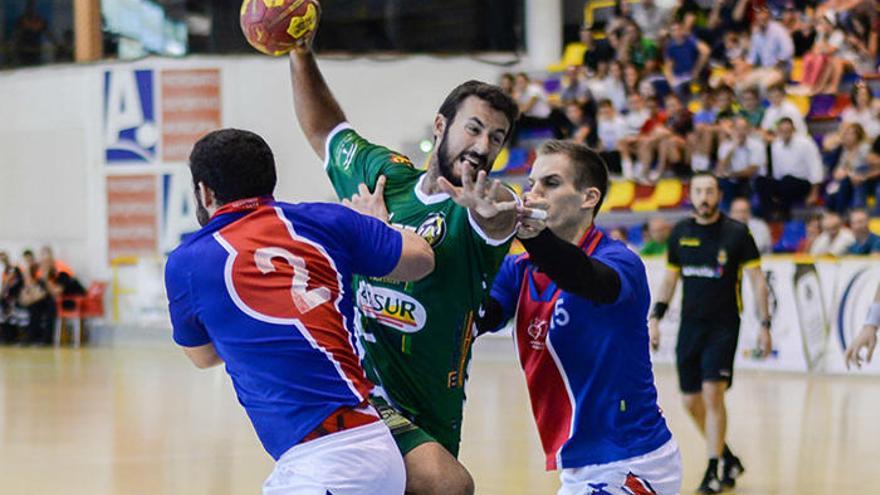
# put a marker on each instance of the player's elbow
(416, 260)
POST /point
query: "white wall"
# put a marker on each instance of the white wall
(52, 172)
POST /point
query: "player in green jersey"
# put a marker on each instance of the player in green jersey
(417, 336)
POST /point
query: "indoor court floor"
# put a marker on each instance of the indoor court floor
(142, 420)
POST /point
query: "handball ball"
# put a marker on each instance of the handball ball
(274, 26)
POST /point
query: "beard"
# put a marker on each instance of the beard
(705, 210)
(446, 163)
(201, 212)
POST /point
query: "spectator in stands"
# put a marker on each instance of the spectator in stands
(635, 118)
(751, 108)
(866, 242)
(611, 129)
(654, 82)
(770, 54)
(853, 178)
(28, 35)
(651, 18)
(36, 299)
(29, 262)
(645, 143)
(814, 230)
(802, 29)
(9, 289)
(632, 47)
(861, 110)
(670, 139)
(731, 52)
(686, 58)
(727, 16)
(576, 90)
(597, 50)
(580, 126)
(632, 80)
(742, 157)
(659, 230)
(507, 83)
(741, 211)
(780, 108)
(819, 65)
(60, 278)
(534, 107)
(797, 173)
(620, 234)
(835, 238)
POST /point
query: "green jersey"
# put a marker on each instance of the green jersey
(417, 336)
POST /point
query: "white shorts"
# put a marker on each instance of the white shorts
(360, 461)
(655, 472)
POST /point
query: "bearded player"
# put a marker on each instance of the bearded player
(710, 252)
(417, 336)
(580, 302)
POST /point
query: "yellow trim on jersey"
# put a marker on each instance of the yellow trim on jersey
(755, 263)
(689, 242)
(675, 268)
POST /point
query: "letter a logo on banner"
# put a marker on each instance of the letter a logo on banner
(130, 130)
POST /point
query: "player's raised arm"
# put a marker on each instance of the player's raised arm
(317, 110)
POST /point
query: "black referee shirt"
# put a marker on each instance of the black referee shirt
(711, 259)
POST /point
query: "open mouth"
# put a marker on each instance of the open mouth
(475, 162)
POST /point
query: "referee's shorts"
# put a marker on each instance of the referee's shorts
(705, 353)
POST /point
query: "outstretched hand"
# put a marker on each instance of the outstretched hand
(532, 217)
(370, 204)
(478, 196)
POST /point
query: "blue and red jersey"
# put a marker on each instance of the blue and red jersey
(268, 284)
(587, 365)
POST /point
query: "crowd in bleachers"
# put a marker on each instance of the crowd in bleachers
(31, 294)
(773, 96)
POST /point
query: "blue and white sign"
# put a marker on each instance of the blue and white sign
(131, 134)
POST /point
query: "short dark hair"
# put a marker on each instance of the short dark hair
(590, 169)
(754, 91)
(777, 87)
(233, 163)
(27, 253)
(706, 173)
(491, 94)
(784, 120)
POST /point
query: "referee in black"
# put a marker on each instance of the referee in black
(710, 251)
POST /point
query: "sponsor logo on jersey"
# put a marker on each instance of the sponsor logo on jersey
(402, 160)
(347, 151)
(391, 308)
(702, 271)
(433, 229)
(722, 257)
(538, 332)
(689, 242)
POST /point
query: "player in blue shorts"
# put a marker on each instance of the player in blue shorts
(580, 302)
(264, 288)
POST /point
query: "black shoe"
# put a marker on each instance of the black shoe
(710, 483)
(732, 470)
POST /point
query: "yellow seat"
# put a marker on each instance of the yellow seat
(874, 225)
(802, 103)
(620, 195)
(572, 55)
(797, 70)
(668, 193)
(501, 160)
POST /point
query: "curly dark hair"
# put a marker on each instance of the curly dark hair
(491, 94)
(233, 163)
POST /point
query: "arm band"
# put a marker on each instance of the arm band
(873, 318)
(660, 309)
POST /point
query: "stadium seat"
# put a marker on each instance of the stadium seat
(801, 102)
(666, 194)
(572, 55)
(797, 70)
(620, 195)
(874, 225)
(80, 308)
(792, 234)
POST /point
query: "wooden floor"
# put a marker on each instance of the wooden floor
(141, 420)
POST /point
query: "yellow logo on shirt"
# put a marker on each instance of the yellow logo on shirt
(689, 242)
(433, 229)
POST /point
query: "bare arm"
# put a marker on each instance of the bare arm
(762, 295)
(664, 295)
(416, 258)
(705, 51)
(203, 356)
(317, 110)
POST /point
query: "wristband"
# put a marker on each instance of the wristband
(767, 323)
(659, 310)
(873, 318)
